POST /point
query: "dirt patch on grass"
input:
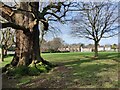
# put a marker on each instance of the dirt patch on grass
(9, 82)
(58, 77)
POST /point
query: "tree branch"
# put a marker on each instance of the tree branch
(6, 11)
(53, 15)
(57, 7)
(14, 26)
(89, 37)
(110, 35)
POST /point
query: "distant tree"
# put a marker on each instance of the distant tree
(51, 30)
(6, 41)
(44, 46)
(114, 46)
(55, 43)
(90, 45)
(95, 21)
(82, 45)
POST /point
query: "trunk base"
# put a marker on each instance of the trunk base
(14, 64)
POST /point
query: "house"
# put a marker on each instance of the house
(74, 48)
(63, 48)
(70, 48)
(101, 48)
(77, 48)
(86, 49)
(107, 48)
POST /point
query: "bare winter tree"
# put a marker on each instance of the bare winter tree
(54, 31)
(95, 21)
(25, 19)
(6, 40)
(55, 43)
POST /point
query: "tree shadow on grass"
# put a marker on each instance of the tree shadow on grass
(108, 55)
(104, 56)
(88, 59)
(90, 73)
(96, 75)
(112, 56)
(79, 61)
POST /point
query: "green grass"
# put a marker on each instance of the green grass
(85, 70)
(7, 60)
(65, 57)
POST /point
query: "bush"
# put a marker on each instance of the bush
(51, 50)
(54, 51)
(64, 51)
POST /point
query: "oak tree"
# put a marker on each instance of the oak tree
(6, 40)
(96, 20)
(25, 19)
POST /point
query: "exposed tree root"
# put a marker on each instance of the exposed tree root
(35, 64)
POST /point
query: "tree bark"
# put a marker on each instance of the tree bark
(25, 21)
(96, 48)
(4, 51)
(27, 43)
(2, 54)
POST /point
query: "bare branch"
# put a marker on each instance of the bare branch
(6, 11)
(13, 25)
(53, 15)
(96, 19)
(110, 35)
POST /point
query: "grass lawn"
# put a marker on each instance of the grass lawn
(7, 60)
(76, 70)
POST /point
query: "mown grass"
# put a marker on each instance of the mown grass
(7, 60)
(86, 71)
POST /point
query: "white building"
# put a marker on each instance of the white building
(101, 48)
(107, 48)
(86, 49)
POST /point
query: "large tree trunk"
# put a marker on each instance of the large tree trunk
(27, 43)
(25, 20)
(24, 49)
(96, 49)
